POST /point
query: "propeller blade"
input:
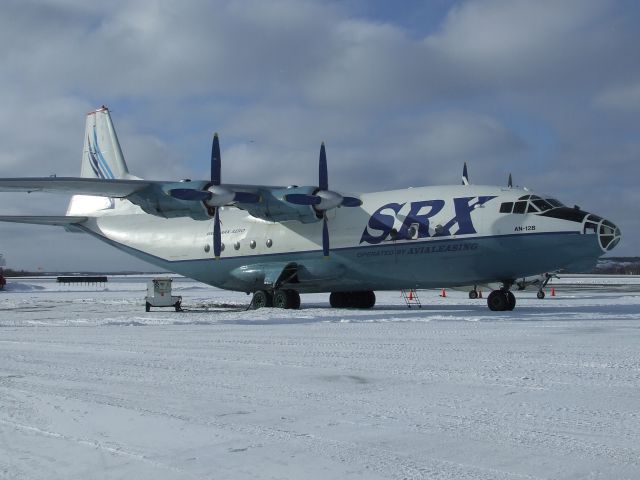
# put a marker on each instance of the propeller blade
(325, 236)
(244, 197)
(465, 175)
(351, 202)
(323, 182)
(510, 183)
(190, 194)
(216, 161)
(217, 240)
(302, 199)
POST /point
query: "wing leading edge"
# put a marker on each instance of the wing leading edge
(76, 186)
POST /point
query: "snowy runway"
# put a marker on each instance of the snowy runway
(91, 386)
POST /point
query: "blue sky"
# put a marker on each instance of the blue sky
(404, 91)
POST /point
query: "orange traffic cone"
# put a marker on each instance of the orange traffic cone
(410, 294)
(479, 293)
(553, 292)
(443, 294)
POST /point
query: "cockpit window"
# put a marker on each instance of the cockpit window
(520, 207)
(555, 203)
(506, 207)
(530, 204)
(543, 205)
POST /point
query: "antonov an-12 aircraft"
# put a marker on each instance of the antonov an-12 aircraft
(279, 241)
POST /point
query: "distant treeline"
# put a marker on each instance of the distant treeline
(9, 272)
(618, 266)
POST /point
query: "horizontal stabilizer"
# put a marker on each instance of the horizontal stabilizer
(75, 186)
(62, 221)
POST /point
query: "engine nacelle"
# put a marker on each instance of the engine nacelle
(275, 208)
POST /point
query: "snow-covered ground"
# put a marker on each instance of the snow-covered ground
(92, 386)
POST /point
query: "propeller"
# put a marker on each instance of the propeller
(214, 195)
(323, 199)
(510, 182)
(465, 175)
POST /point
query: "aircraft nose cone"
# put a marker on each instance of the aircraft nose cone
(608, 235)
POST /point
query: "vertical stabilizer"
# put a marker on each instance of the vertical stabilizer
(102, 156)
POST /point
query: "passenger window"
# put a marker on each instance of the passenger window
(520, 207)
(506, 207)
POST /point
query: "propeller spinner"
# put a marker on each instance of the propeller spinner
(214, 196)
(323, 199)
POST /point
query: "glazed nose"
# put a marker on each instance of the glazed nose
(608, 235)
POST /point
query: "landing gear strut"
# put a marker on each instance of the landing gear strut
(501, 300)
(547, 278)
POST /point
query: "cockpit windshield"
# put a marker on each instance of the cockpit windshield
(530, 204)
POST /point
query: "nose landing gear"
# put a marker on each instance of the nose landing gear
(501, 300)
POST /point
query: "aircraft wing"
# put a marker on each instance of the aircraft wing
(75, 186)
(151, 196)
(62, 221)
(158, 197)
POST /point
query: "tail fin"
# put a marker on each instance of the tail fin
(102, 156)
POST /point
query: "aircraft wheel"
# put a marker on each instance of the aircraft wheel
(511, 300)
(147, 307)
(540, 294)
(473, 294)
(281, 299)
(338, 300)
(262, 299)
(497, 301)
(295, 299)
(286, 299)
(366, 299)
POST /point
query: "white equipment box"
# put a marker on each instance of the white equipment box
(159, 295)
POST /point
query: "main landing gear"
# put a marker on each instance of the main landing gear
(501, 300)
(366, 299)
(277, 298)
(291, 299)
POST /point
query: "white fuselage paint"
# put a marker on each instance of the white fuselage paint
(184, 245)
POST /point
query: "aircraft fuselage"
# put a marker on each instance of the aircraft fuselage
(425, 237)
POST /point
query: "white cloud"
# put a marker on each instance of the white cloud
(623, 98)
